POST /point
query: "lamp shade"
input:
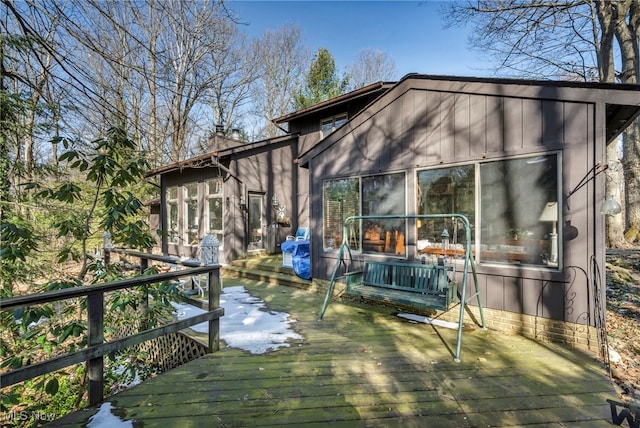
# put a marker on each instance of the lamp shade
(550, 212)
(610, 207)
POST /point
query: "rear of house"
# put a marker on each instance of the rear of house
(519, 159)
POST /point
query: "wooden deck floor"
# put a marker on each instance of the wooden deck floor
(363, 366)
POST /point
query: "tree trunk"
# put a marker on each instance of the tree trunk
(614, 224)
(631, 167)
(628, 16)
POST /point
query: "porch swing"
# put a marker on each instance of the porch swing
(415, 284)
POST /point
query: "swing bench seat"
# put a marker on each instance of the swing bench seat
(424, 286)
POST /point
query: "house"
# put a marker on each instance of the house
(250, 195)
(521, 159)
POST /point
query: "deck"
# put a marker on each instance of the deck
(363, 366)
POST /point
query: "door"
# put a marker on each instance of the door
(256, 222)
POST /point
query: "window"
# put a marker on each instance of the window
(384, 195)
(172, 214)
(341, 200)
(375, 195)
(515, 225)
(516, 212)
(328, 125)
(192, 214)
(214, 209)
(444, 191)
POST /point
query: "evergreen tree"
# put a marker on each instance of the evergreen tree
(322, 82)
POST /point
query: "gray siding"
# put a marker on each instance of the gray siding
(412, 128)
(266, 170)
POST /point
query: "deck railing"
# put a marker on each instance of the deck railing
(96, 347)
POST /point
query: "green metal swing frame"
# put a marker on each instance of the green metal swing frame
(469, 262)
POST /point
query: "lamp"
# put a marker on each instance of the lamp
(610, 207)
(445, 240)
(275, 203)
(550, 214)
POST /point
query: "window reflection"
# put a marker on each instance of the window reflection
(518, 207)
(377, 195)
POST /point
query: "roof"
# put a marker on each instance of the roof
(211, 158)
(622, 100)
(379, 87)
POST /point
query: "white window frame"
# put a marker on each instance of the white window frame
(173, 234)
(218, 185)
(332, 123)
(188, 230)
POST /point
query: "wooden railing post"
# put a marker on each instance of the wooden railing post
(214, 303)
(144, 305)
(95, 366)
(144, 264)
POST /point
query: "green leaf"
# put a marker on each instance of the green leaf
(52, 387)
(66, 333)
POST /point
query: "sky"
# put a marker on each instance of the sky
(412, 33)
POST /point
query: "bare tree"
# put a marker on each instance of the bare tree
(283, 60)
(371, 66)
(570, 40)
(233, 70)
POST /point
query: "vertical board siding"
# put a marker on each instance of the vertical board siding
(494, 126)
(531, 296)
(552, 120)
(531, 124)
(429, 128)
(512, 297)
(434, 127)
(421, 127)
(512, 127)
(372, 135)
(575, 130)
(495, 292)
(447, 127)
(479, 117)
(553, 300)
(462, 126)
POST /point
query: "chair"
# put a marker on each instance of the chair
(302, 234)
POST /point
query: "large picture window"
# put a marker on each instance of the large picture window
(512, 202)
(376, 195)
(341, 200)
(384, 195)
(519, 202)
(445, 191)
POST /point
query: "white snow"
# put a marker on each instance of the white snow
(427, 320)
(105, 419)
(246, 323)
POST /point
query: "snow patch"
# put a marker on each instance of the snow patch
(427, 320)
(246, 323)
(105, 419)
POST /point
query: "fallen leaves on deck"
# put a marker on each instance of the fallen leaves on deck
(623, 321)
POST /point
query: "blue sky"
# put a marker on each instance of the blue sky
(411, 32)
